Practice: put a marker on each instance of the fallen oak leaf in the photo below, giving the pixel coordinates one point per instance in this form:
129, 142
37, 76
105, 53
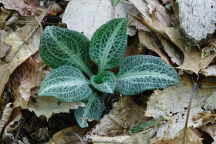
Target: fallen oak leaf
146, 40
19, 5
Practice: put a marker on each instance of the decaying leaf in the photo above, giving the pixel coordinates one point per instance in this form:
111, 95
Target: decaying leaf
28, 45
149, 7
124, 115
172, 104
6, 116
193, 60
174, 53
48, 105
146, 40
91, 13
4, 48
21, 6
190, 138
209, 71
197, 18
71, 135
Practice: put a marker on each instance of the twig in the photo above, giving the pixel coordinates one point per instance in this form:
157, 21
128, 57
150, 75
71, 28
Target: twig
194, 90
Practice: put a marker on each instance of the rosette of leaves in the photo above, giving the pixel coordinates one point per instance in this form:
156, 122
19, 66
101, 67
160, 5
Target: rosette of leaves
71, 80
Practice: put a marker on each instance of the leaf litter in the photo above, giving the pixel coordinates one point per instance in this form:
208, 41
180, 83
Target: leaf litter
154, 24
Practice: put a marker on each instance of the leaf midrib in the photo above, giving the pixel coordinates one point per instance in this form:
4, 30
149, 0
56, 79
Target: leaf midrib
108, 47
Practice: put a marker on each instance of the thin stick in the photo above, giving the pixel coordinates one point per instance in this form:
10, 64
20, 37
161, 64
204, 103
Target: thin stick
194, 90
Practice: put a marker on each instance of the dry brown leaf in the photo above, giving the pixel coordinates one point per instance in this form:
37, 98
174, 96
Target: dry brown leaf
172, 104
4, 14
24, 80
191, 138
193, 60
27, 38
21, 6
4, 48
124, 115
71, 135
149, 7
211, 130
174, 54
6, 116
204, 118
146, 40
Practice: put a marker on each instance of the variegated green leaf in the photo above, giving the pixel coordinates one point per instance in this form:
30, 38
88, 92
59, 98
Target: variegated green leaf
60, 46
141, 72
67, 84
104, 82
92, 111
108, 44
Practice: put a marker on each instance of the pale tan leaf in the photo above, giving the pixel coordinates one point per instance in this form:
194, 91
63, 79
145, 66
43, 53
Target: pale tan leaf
197, 17
88, 15
172, 104
6, 116
124, 115
146, 40
191, 138
174, 54
20, 6
20, 52
209, 71
49, 105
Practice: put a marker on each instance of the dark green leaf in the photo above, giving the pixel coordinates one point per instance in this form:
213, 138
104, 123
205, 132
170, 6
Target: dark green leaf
108, 44
59, 46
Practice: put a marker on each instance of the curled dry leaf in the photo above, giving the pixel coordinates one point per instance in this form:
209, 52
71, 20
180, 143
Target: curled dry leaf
172, 104
193, 60
146, 40
174, 53
149, 7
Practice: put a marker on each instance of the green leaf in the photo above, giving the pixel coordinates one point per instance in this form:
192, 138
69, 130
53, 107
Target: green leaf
115, 2
60, 46
108, 44
146, 125
67, 84
104, 82
93, 111
141, 72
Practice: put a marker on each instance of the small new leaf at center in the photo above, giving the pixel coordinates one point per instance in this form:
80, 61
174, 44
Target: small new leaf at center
104, 82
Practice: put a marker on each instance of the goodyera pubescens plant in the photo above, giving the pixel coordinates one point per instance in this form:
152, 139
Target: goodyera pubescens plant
71, 80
